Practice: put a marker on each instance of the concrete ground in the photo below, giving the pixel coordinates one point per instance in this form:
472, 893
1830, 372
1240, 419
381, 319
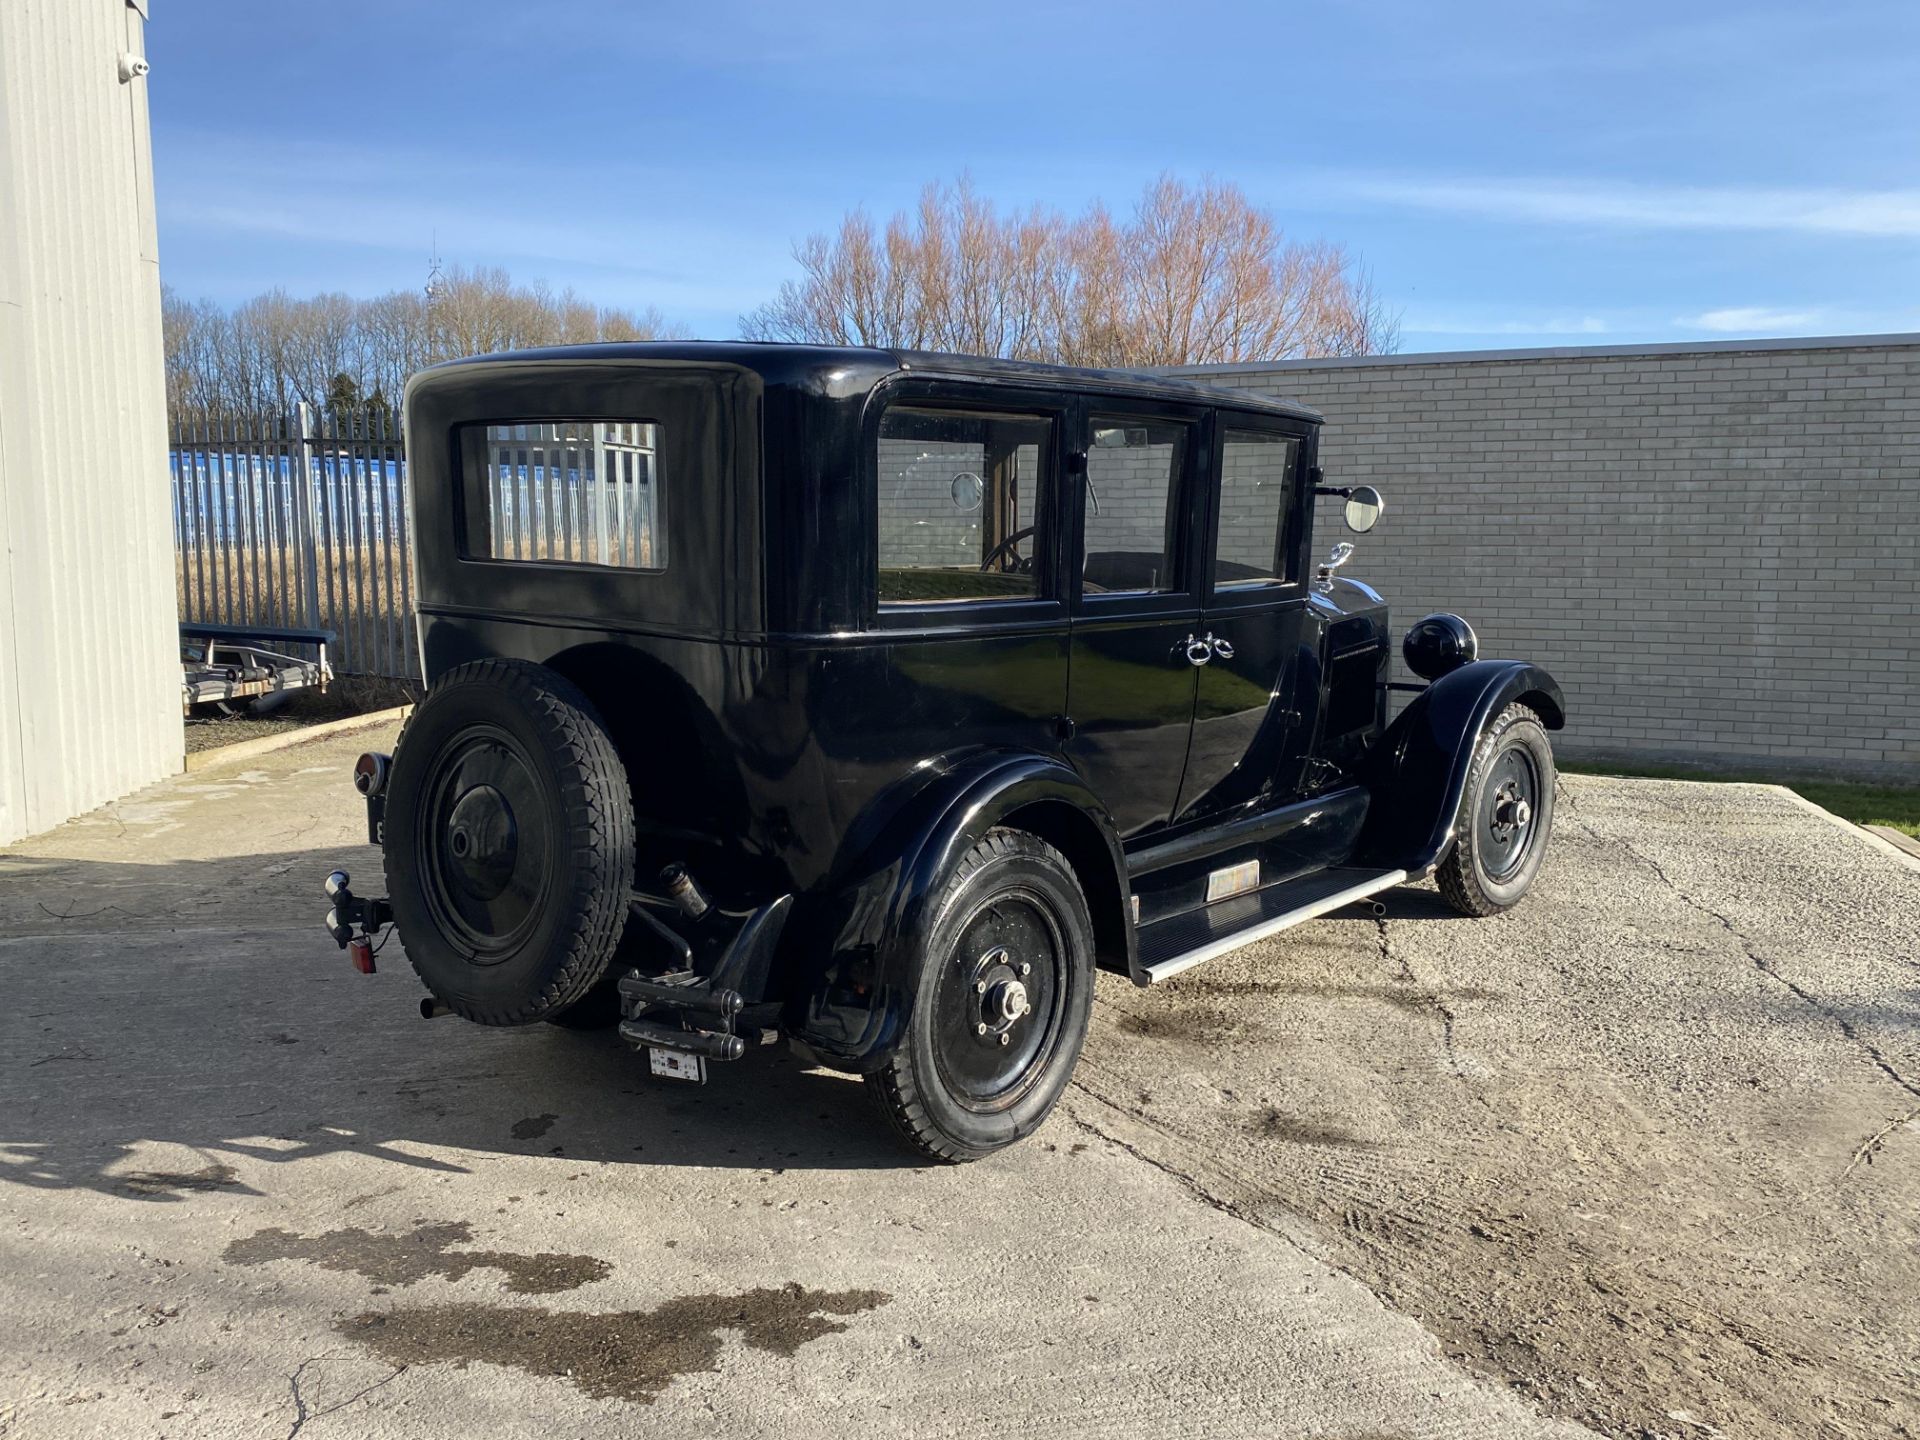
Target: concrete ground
1641, 1156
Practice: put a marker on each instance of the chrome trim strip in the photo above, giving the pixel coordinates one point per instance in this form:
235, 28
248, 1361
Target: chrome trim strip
1313, 910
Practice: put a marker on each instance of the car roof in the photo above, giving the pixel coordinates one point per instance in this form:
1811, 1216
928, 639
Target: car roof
843, 368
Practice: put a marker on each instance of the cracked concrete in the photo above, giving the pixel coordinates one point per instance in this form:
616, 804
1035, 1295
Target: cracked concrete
1641, 1156
1661, 1172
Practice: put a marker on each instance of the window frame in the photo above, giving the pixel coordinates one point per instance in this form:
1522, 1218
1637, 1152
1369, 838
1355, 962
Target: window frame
1047, 605
1186, 504
1291, 533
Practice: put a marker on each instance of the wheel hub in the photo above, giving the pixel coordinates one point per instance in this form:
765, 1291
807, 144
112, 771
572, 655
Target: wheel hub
1003, 998
1510, 811
999, 1001
1507, 813
1011, 998
482, 841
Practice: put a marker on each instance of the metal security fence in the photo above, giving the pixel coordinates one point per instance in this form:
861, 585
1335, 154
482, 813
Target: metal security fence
579, 491
298, 520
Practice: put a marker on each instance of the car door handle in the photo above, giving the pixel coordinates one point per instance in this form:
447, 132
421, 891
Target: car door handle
1197, 651
1221, 648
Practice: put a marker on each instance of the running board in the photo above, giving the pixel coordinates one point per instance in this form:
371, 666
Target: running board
1184, 941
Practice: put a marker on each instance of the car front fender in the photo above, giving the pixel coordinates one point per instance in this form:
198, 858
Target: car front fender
1418, 773
858, 957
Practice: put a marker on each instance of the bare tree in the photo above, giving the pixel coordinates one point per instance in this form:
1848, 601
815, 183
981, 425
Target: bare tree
275, 351
1199, 274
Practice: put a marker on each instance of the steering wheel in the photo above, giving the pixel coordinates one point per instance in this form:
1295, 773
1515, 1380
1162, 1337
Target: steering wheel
1022, 563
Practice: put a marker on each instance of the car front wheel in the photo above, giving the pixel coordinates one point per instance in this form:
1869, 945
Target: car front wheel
1002, 1005
1505, 815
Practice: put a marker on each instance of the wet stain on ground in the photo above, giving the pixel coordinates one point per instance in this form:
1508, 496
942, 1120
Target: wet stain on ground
172, 1184
1270, 1124
627, 1354
1412, 998
402, 1257
533, 1127
1182, 1022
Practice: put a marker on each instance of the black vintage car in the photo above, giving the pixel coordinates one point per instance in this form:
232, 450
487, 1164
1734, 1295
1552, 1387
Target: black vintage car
873, 700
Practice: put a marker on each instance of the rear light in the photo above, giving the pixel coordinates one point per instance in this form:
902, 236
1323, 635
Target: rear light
339, 929
370, 773
360, 951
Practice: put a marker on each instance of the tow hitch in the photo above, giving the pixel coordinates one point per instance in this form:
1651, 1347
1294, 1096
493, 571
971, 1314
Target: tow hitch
349, 910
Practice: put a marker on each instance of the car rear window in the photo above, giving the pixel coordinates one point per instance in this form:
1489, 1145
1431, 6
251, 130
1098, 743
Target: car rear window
568, 492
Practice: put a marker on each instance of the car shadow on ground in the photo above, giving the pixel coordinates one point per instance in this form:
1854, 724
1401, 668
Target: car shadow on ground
170, 1028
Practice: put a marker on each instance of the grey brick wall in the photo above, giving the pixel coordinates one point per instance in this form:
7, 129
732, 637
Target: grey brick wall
922, 520
1716, 549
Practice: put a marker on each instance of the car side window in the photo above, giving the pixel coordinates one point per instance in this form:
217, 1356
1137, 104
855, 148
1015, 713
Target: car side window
1135, 468
959, 505
1258, 472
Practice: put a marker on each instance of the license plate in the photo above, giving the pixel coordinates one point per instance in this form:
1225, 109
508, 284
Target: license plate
678, 1065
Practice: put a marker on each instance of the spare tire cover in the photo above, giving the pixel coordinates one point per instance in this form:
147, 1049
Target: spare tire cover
508, 842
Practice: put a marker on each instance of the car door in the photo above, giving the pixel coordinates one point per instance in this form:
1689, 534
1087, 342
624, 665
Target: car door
969, 620
1258, 674
1134, 556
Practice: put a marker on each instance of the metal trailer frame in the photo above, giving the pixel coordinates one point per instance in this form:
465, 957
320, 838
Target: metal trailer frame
224, 664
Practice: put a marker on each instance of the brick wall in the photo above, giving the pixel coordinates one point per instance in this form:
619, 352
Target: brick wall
1716, 549
929, 514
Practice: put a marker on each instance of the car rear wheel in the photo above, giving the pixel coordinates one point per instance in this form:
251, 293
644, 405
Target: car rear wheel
1505, 816
509, 842
1002, 1006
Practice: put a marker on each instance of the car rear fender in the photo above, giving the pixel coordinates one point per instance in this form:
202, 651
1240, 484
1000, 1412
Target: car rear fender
858, 953
1418, 773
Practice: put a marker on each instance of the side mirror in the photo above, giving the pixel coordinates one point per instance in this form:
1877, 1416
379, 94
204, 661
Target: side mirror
1365, 506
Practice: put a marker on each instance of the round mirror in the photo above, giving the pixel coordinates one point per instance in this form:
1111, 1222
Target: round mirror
1364, 509
966, 490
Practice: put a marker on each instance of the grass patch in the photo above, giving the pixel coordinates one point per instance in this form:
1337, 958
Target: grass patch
1895, 806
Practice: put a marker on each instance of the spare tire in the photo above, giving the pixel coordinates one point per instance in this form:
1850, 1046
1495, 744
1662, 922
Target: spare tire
508, 843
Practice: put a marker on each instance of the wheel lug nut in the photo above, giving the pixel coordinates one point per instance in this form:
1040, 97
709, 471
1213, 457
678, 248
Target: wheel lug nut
979, 987
981, 1028
1006, 1039
1025, 966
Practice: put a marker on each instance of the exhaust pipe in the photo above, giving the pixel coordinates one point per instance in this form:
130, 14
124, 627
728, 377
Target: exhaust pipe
432, 1009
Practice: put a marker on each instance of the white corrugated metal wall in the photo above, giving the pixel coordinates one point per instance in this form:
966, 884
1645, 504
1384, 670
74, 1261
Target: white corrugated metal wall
89, 669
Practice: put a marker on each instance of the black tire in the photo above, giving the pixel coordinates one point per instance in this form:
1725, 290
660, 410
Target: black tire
1506, 816
509, 842
598, 1009
954, 1090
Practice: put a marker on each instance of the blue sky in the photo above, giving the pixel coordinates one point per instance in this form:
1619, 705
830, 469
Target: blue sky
1512, 174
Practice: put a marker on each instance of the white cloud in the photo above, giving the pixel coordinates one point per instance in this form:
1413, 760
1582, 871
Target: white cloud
1882, 213
1747, 319
1468, 325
